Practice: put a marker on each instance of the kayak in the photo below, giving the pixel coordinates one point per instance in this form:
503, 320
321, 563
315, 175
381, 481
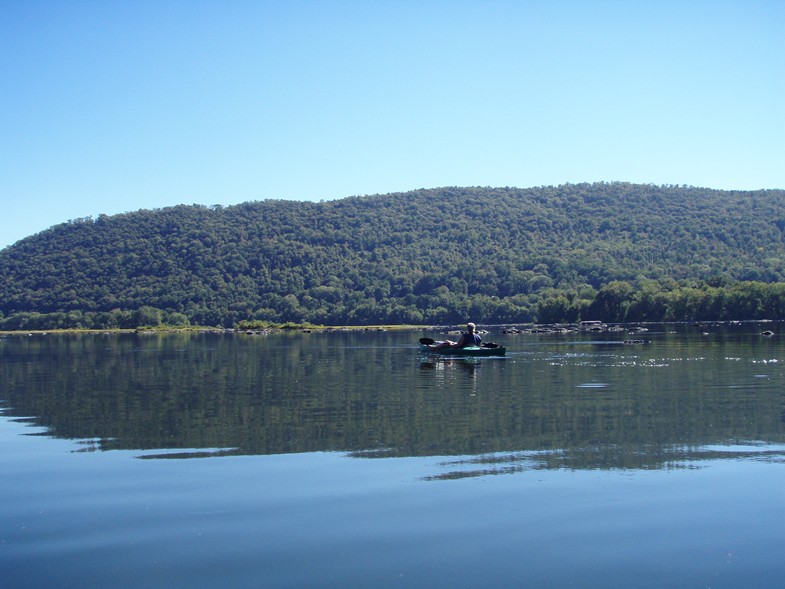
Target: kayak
470, 351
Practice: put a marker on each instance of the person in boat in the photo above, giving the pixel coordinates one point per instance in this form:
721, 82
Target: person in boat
469, 338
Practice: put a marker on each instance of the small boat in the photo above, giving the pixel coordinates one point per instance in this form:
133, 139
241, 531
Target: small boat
488, 349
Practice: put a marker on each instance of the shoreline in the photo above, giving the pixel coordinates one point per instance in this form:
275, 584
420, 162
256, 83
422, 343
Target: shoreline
510, 328
226, 330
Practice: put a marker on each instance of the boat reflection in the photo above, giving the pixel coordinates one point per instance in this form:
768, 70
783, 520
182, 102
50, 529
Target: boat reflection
469, 365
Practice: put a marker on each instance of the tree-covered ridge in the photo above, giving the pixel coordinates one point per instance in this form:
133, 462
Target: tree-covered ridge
429, 256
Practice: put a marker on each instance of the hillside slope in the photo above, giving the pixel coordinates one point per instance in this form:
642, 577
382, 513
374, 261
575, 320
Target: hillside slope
435, 256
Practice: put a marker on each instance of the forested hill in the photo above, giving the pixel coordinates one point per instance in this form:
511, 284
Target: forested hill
611, 251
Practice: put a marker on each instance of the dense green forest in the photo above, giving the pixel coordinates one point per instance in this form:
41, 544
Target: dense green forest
607, 251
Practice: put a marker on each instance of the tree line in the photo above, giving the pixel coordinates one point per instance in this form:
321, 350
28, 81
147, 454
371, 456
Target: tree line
616, 302
605, 251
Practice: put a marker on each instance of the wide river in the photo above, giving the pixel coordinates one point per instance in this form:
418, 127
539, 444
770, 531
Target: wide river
349, 460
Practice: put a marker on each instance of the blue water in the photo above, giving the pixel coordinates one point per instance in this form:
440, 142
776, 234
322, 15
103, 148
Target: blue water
659, 482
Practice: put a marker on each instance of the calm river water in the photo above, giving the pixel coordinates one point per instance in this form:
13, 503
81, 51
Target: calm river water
348, 460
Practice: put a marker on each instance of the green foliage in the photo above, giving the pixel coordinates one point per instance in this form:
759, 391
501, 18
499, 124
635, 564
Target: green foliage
609, 251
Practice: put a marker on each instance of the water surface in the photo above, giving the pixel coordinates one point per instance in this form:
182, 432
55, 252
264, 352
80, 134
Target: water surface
346, 459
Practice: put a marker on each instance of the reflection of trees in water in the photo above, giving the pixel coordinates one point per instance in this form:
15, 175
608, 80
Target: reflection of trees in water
610, 457
372, 396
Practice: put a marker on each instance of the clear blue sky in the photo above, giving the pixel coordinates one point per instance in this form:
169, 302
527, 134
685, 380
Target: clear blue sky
112, 106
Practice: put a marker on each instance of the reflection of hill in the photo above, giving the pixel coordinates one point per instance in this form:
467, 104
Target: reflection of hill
368, 394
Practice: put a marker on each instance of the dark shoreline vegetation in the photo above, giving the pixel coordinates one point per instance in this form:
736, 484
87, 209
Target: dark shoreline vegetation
617, 302
612, 252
